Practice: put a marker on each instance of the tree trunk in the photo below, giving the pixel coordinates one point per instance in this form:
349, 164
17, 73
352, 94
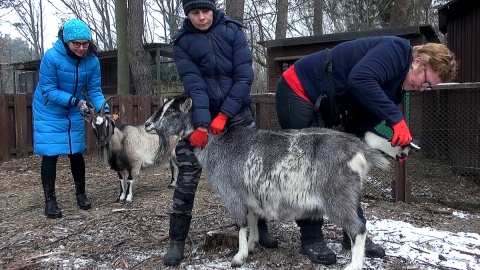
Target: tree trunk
123, 70
317, 17
139, 58
235, 9
282, 15
398, 13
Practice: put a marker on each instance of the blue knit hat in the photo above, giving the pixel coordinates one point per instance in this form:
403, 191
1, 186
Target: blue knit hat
75, 30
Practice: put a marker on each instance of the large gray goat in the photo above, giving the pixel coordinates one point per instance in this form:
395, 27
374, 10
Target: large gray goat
285, 175
127, 149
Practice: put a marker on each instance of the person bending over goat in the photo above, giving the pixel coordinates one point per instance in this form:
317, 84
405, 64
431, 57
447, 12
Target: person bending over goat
353, 87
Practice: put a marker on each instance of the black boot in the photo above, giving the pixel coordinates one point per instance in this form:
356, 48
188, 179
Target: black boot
179, 226
82, 201
372, 250
51, 207
313, 244
265, 239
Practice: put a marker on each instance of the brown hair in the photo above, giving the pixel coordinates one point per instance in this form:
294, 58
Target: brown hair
439, 58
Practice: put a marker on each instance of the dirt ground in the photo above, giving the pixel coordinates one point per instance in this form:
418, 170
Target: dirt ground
135, 235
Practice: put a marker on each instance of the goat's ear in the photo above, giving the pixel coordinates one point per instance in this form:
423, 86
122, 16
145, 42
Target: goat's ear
186, 105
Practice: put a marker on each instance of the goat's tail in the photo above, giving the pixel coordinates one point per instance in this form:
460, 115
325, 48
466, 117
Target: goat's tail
377, 159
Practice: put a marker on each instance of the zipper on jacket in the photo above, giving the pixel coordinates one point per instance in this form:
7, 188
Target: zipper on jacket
215, 68
74, 95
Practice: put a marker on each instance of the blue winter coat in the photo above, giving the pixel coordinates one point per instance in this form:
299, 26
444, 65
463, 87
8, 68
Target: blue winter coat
215, 67
58, 126
367, 74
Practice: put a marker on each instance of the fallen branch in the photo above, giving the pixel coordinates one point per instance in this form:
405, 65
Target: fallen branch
23, 266
165, 237
474, 252
125, 209
45, 255
447, 211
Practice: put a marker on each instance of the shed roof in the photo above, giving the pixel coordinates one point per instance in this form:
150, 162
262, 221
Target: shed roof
426, 30
105, 56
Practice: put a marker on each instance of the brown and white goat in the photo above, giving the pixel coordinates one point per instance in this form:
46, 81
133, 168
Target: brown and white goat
127, 149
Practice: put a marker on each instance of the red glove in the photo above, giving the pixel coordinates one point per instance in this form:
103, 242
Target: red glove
218, 123
199, 137
401, 134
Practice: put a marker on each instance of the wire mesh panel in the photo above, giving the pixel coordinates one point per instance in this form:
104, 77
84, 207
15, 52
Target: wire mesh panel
447, 168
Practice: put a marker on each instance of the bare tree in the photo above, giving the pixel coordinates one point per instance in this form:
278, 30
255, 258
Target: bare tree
99, 17
235, 9
171, 17
31, 25
139, 59
317, 17
123, 66
282, 15
398, 13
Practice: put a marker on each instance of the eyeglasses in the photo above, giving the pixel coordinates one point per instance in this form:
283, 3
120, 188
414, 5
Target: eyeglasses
426, 84
77, 44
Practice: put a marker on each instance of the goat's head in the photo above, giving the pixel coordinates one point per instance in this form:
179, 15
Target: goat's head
173, 118
383, 144
103, 124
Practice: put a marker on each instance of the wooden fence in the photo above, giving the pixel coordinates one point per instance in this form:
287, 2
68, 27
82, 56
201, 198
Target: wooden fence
16, 127
16, 132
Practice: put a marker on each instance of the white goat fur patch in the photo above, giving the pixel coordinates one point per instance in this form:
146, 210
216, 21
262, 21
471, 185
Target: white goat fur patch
99, 120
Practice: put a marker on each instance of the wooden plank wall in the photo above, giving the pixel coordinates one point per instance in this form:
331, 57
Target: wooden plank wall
16, 124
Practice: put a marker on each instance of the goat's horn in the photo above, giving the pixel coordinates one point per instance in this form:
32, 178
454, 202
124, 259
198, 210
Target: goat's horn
102, 110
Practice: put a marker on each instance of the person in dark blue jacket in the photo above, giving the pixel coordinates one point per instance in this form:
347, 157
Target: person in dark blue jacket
353, 87
214, 62
58, 102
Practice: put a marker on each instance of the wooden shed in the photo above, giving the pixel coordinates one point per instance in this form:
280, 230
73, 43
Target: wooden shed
108, 66
459, 20
282, 53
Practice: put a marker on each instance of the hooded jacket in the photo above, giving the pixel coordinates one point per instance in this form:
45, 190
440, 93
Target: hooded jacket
58, 126
215, 67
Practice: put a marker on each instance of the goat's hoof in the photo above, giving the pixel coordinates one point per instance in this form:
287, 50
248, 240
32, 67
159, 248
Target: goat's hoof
238, 260
350, 266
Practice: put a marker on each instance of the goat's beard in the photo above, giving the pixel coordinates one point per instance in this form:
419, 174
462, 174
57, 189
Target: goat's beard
104, 154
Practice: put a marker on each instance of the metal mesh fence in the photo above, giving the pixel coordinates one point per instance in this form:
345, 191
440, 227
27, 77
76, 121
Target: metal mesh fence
447, 168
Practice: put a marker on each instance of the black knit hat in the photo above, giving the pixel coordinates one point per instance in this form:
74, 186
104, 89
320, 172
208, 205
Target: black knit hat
198, 4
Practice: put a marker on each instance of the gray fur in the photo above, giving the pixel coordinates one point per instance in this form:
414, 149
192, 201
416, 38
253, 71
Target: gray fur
283, 175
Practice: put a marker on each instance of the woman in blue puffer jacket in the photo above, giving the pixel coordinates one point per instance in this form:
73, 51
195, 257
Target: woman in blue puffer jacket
214, 62
58, 103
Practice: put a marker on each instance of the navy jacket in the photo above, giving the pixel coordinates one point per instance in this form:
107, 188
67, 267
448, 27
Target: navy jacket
368, 74
215, 67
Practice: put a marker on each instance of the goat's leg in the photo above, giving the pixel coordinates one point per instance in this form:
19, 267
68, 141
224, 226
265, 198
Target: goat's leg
357, 232
358, 252
174, 170
242, 253
132, 175
123, 186
253, 237
130, 190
